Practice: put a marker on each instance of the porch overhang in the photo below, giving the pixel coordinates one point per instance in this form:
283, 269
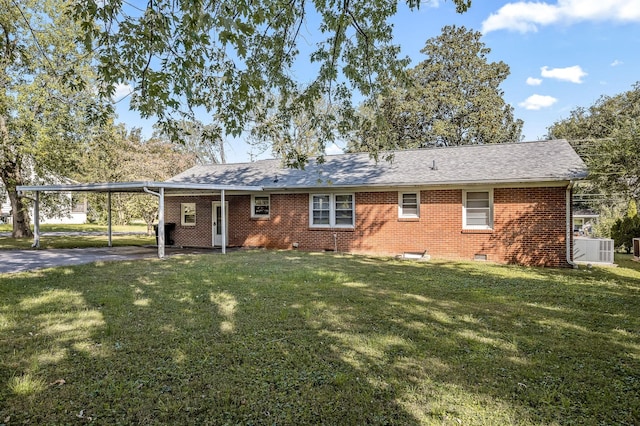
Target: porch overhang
158, 189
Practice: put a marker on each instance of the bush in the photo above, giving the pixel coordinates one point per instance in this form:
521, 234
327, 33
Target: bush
624, 231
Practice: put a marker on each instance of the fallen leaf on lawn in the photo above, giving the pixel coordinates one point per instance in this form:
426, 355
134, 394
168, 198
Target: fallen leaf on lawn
58, 382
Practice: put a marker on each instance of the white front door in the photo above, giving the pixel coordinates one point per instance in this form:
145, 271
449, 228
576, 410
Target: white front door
216, 221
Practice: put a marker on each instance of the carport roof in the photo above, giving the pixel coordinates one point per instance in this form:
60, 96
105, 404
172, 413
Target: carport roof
137, 187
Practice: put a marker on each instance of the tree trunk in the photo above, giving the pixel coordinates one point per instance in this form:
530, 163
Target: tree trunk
19, 210
11, 177
21, 228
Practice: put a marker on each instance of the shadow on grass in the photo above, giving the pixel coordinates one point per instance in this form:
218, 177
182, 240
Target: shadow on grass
300, 338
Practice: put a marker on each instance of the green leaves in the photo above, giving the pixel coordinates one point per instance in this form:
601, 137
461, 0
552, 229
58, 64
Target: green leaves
228, 58
607, 137
46, 96
450, 98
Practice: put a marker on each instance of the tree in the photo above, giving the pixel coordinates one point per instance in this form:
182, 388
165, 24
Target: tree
451, 98
45, 95
626, 229
225, 57
607, 137
119, 155
202, 141
296, 135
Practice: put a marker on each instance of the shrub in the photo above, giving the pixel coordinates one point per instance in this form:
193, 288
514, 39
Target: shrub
625, 230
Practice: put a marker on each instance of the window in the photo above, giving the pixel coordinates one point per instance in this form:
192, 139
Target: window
331, 210
188, 214
408, 204
260, 205
477, 209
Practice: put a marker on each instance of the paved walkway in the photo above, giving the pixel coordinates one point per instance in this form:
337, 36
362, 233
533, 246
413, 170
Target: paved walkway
28, 260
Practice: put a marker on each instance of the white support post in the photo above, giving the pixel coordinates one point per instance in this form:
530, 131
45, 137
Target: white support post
161, 236
224, 222
160, 196
36, 221
110, 242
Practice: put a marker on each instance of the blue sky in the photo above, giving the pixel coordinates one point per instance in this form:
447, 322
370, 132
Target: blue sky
562, 54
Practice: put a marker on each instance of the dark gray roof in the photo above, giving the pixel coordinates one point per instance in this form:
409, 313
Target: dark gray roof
541, 161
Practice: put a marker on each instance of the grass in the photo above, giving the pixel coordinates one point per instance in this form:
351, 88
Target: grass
78, 241
87, 227
263, 337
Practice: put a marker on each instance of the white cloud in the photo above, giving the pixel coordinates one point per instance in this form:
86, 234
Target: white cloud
333, 149
536, 102
122, 90
616, 63
431, 3
527, 16
534, 81
573, 74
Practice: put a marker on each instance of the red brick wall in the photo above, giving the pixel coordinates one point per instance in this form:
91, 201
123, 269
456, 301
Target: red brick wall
529, 226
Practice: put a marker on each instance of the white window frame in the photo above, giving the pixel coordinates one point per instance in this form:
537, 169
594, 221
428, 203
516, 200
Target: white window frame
464, 209
332, 210
183, 214
401, 205
253, 206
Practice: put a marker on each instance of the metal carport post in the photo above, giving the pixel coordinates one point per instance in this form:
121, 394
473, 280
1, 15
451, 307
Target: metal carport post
161, 236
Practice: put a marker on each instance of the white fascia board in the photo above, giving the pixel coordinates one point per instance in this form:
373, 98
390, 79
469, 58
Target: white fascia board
134, 187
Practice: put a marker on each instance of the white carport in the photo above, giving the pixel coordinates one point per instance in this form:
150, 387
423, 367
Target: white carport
158, 189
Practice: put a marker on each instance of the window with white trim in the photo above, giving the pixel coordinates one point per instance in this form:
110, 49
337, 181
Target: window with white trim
408, 204
331, 210
260, 205
477, 209
188, 214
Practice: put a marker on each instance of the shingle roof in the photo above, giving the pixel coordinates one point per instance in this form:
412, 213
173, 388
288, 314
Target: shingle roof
540, 161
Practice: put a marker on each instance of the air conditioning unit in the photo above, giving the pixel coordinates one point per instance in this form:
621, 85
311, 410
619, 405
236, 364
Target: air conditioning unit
593, 250
636, 249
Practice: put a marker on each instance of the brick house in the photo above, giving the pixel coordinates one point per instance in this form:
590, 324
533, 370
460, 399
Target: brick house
506, 203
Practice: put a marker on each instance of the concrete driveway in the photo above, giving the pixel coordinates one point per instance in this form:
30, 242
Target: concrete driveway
28, 260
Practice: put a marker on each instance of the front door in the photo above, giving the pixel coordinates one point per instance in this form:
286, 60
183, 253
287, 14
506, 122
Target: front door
216, 230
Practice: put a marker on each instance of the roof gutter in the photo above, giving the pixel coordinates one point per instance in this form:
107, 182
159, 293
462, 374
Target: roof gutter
569, 229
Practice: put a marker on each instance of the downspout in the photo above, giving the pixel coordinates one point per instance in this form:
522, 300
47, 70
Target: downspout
223, 228
160, 196
569, 229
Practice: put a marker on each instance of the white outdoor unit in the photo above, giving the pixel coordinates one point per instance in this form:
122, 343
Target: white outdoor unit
593, 250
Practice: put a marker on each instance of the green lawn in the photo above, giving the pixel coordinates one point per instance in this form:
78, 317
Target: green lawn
87, 227
75, 241
264, 337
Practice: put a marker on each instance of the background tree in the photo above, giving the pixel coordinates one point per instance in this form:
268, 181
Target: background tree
607, 137
45, 96
119, 155
296, 135
223, 58
202, 141
451, 98
624, 230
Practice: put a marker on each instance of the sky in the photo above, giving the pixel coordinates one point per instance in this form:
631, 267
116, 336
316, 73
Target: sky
562, 54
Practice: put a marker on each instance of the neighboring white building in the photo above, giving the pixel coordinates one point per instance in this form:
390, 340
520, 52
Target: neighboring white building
77, 215
583, 220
